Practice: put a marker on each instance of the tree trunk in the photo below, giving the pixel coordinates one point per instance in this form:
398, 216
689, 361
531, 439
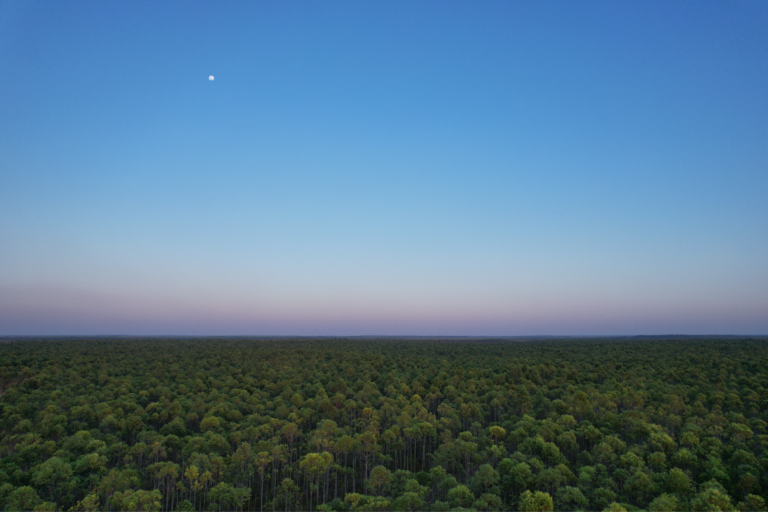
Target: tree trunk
261, 494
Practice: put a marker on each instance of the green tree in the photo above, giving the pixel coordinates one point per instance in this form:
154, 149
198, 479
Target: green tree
571, 498
380, 477
664, 503
288, 493
752, 502
461, 496
23, 498
712, 498
90, 503
53, 474
678, 482
484, 479
137, 501
536, 502
488, 502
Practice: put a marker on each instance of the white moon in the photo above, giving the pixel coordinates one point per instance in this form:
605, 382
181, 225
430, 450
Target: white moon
210, 77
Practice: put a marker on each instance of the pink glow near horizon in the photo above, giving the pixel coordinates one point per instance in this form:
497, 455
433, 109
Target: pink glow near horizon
65, 311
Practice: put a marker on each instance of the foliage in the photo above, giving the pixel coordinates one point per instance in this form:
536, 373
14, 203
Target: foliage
244, 424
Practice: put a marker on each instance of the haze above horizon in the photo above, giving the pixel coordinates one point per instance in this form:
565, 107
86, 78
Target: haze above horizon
422, 168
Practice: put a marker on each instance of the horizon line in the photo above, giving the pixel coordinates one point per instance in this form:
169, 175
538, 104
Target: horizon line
377, 336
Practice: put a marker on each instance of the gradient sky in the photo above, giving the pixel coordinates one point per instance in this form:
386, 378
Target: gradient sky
419, 167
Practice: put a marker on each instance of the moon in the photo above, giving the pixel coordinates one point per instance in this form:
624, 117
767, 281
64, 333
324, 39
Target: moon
210, 78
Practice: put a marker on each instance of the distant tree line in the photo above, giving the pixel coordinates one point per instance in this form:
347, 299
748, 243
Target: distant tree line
278, 425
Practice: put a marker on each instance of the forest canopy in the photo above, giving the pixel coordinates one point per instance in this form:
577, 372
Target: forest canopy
346, 425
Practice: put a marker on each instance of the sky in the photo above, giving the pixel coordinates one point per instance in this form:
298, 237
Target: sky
394, 168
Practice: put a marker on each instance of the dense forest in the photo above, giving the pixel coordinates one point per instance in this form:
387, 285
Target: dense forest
346, 425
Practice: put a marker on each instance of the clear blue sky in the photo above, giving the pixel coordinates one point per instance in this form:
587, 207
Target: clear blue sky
419, 167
